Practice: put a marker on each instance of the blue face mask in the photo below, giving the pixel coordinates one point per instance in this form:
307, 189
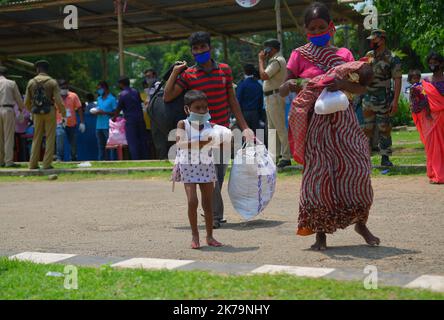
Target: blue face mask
198, 117
320, 40
203, 57
100, 91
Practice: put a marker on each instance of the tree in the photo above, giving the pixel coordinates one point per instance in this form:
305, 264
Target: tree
416, 27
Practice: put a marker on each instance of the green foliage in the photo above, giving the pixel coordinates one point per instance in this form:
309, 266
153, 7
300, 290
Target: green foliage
403, 116
416, 27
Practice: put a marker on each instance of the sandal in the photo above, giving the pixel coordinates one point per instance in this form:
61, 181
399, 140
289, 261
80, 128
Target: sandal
214, 243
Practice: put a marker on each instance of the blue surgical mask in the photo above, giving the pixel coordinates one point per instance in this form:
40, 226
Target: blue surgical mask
203, 57
320, 40
198, 117
100, 91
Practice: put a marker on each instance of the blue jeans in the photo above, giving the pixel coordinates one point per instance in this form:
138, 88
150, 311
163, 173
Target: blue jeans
102, 138
70, 133
137, 140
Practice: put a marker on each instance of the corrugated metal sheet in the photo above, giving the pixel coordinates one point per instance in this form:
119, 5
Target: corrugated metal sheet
36, 26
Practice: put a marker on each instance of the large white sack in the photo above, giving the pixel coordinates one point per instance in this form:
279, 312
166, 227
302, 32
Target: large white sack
252, 180
331, 102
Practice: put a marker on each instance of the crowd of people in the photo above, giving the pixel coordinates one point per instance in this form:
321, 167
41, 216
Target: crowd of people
335, 148
51, 114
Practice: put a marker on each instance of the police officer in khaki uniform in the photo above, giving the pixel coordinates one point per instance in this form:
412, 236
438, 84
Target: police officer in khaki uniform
380, 102
273, 76
9, 96
44, 118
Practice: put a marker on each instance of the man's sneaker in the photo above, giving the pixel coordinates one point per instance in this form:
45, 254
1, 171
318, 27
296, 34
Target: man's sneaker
283, 163
48, 168
385, 162
216, 224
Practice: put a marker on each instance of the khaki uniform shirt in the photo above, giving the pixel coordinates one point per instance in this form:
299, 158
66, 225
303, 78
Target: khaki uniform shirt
9, 93
52, 91
276, 71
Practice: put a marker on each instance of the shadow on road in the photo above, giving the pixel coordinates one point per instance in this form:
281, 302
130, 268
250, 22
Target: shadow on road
346, 253
228, 249
241, 226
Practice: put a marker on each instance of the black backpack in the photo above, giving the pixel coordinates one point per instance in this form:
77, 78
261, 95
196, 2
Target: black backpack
40, 102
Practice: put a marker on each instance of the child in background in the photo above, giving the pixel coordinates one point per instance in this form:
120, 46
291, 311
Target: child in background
418, 100
194, 163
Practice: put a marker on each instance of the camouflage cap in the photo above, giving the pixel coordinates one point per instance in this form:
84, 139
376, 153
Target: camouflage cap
376, 33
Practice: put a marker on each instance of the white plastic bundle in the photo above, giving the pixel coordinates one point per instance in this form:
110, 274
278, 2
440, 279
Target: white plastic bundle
220, 134
93, 110
252, 180
331, 102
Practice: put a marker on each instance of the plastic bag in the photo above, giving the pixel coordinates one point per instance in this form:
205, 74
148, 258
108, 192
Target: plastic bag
219, 134
331, 102
117, 133
252, 180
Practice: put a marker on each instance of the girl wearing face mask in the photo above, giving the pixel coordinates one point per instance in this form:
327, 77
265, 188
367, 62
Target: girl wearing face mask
336, 189
427, 102
194, 163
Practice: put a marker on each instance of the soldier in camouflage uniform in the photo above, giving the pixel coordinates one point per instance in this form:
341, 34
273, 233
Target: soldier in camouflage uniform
380, 102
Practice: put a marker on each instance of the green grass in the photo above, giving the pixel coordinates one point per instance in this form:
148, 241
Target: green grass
25, 280
407, 150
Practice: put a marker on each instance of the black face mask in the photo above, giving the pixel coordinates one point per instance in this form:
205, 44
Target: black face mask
375, 46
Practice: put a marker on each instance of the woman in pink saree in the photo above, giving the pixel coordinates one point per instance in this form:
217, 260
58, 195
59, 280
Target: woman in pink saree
336, 190
427, 104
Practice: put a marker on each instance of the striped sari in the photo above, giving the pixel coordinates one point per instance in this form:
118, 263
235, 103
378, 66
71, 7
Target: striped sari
336, 188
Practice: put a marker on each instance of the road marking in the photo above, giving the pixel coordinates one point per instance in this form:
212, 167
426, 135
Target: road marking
298, 271
434, 283
41, 257
148, 263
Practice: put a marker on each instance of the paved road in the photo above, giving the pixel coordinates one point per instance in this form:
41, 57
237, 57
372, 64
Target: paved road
144, 218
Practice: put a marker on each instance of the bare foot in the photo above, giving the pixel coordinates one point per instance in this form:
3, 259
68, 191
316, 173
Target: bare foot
213, 242
363, 231
195, 244
321, 242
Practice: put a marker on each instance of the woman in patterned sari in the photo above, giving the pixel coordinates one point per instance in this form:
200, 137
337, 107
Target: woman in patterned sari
336, 189
427, 104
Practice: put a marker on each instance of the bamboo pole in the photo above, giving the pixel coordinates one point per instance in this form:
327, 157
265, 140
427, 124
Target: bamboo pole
120, 27
277, 8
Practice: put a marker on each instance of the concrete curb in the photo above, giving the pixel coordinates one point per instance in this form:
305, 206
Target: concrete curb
37, 172
426, 282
